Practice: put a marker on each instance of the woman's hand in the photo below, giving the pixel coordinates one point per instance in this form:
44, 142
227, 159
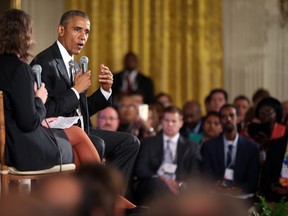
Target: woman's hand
41, 92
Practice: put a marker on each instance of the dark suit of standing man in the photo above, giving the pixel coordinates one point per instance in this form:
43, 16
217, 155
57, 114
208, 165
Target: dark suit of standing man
138, 82
151, 181
243, 169
66, 93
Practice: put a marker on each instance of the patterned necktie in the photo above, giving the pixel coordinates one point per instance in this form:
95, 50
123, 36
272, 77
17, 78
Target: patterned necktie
229, 156
168, 156
71, 72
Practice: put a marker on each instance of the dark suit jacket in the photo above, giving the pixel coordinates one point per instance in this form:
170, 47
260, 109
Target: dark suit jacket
145, 86
246, 168
62, 101
29, 146
272, 167
151, 155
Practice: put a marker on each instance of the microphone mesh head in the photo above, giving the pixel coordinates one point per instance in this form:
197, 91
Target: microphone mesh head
36, 68
84, 59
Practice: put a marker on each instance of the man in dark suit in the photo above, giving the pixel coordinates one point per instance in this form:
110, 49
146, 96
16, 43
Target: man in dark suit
165, 160
66, 91
131, 80
231, 159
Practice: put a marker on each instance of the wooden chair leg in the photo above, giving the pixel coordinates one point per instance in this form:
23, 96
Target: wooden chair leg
4, 185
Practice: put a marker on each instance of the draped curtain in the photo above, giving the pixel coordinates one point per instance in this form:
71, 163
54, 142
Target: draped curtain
179, 43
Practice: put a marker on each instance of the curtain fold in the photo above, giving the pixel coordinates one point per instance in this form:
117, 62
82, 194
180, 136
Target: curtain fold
179, 43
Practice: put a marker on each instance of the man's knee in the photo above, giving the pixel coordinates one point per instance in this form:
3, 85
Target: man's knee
99, 145
133, 141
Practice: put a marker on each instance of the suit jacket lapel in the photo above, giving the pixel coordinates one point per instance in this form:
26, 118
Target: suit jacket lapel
240, 149
60, 64
180, 149
220, 153
160, 148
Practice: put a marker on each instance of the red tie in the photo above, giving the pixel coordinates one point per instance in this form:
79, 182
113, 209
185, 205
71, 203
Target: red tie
129, 87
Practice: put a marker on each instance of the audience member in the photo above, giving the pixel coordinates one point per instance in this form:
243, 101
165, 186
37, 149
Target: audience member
217, 98
242, 104
165, 160
211, 128
67, 96
269, 113
130, 79
130, 121
30, 143
137, 98
231, 159
197, 200
192, 118
108, 119
102, 186
62, 194
164, 99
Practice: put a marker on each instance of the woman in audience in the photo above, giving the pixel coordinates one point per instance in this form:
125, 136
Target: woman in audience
30, 143
274, 178
211, 128
269, 112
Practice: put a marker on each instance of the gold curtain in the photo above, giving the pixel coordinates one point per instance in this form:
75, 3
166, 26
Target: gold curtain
179, 43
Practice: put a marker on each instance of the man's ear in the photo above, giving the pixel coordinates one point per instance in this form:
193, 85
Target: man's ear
60, 30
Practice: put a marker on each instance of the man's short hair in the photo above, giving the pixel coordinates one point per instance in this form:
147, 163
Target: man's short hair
70, 14
173, 109
226, 106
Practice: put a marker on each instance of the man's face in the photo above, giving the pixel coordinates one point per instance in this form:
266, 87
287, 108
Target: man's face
192, 115
128, 111
107, 119
217, 101
171, 123
242, 107
228, 117
131, 62
74, 35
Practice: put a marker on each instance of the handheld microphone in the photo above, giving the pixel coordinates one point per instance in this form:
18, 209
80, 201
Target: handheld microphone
84, 63
37, 69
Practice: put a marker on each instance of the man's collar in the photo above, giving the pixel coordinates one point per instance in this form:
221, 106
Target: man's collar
64, 53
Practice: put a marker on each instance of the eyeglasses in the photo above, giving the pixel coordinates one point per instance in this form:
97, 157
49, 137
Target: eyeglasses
266, 111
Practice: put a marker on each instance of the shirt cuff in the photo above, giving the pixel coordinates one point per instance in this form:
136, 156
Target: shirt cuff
77, 94
105, 93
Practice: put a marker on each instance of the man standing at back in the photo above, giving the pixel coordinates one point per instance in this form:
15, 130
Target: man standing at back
131, 80
66, 90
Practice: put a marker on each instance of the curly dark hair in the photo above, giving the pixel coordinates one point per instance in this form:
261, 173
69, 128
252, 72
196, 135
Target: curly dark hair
272, 102
16, 33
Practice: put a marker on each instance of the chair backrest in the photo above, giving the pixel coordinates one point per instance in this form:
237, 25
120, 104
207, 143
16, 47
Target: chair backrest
2, 130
